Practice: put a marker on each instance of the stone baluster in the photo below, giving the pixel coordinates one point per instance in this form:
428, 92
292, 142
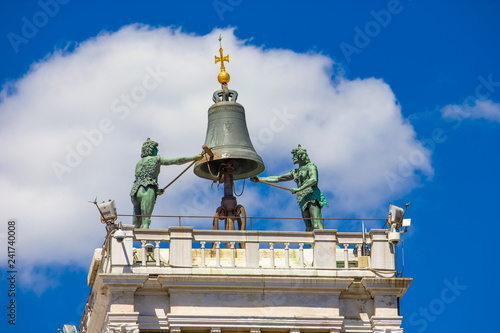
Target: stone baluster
346, 255
144, 255
287, 255
203, 261
157, 253
301, 255
233, 260
271, 254
217, 254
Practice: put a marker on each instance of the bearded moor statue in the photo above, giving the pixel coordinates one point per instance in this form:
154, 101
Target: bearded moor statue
309, 196
145, 188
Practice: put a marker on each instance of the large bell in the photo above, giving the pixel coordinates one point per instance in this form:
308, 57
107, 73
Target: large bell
227, 135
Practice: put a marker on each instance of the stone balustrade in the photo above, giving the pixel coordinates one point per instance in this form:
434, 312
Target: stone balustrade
341, 253
181, 279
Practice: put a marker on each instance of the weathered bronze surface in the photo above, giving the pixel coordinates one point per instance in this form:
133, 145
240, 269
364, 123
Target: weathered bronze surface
227, 135
145, 188
309, 196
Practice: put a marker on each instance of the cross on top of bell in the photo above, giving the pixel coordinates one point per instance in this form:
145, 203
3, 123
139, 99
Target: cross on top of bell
223, 76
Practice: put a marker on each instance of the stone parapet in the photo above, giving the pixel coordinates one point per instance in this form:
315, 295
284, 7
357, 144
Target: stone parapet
181, 280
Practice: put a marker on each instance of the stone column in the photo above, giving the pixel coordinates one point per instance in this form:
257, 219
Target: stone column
325, 241
181, 244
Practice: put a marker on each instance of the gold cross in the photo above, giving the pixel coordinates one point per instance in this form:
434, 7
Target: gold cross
221, 58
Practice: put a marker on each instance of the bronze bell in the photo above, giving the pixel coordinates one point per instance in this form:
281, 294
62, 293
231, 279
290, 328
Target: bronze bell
227, 135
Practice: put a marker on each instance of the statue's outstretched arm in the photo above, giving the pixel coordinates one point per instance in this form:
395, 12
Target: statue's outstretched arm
274, 179
179, 160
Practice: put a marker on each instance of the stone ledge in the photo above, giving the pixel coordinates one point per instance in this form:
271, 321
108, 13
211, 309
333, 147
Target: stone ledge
203, 283
255, 272
125, 281
242, 322
153, 323
386, 286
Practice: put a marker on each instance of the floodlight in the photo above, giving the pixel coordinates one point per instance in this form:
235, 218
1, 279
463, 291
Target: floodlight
395, 213
69, 329
108, 210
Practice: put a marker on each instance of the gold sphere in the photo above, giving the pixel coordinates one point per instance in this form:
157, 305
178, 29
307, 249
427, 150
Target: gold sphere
223, 77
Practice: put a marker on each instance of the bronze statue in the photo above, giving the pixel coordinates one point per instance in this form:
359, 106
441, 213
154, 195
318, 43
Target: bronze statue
145, 188
309, 196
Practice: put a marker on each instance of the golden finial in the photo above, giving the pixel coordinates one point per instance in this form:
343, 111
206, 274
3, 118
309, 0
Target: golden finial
223, 75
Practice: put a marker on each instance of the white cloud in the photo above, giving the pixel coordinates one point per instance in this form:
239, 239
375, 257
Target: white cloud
73, 111
480, 109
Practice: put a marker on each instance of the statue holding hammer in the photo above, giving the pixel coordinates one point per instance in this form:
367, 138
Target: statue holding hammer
145, 188
309, 196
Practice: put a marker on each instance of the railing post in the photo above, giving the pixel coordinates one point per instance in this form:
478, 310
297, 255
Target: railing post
381, 255
325, 241
181, 245
121, 254
252, 249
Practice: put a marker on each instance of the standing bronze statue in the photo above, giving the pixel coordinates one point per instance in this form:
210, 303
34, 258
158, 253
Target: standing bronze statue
145, 188
309, 196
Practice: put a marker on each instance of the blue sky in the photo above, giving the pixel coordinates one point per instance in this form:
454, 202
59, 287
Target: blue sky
395, 101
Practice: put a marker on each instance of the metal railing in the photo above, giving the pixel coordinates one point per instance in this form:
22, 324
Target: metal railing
179, 219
